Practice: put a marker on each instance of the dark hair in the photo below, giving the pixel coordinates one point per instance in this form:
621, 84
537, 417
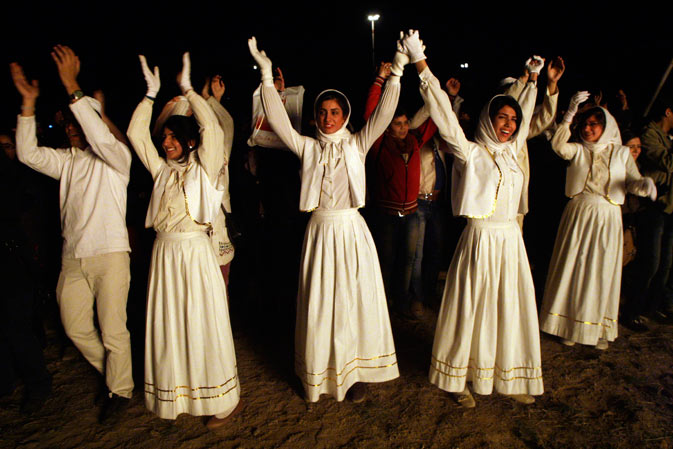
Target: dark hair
505, 100
400, 111
628, 134
658, 109
185, 130
333, 95
592, 112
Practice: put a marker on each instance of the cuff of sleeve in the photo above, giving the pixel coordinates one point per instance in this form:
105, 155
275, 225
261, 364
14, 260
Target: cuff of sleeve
426, 74
26, 119
393, 79
268, 82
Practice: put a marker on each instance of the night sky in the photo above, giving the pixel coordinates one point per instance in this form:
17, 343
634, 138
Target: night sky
329, 46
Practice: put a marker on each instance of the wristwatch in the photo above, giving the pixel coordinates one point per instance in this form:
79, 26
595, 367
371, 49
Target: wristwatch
76, 95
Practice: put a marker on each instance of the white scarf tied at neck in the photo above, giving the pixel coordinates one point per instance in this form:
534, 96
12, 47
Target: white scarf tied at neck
332, 144
611, 135
485, 136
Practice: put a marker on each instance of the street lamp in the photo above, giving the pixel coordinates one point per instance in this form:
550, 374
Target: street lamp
373, 18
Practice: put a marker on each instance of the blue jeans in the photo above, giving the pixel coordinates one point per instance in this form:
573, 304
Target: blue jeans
650, 280
396, 239
429, 249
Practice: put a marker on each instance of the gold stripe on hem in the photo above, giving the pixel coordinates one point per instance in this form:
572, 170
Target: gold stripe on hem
334, 379
300, 362
496, 367
188, 396
477, 377
584, 322
187, 387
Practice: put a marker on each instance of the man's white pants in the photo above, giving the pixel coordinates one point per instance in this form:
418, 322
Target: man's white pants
103, 280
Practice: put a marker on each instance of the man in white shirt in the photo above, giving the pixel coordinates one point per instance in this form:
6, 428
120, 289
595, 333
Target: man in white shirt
93, 175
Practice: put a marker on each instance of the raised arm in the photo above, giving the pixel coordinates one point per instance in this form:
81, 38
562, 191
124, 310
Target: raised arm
438, 103
139, 127
381, 117
99, 136
211, 150
223, 117
527, 99
99, 96
543, 118
273, 105
559, 142
45, 160
374, 94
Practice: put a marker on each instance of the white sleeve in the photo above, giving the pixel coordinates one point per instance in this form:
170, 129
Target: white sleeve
141, 140
560, 145
279, 120
442, 114
226, 123
103, 143
48, 161
382, 115
211, 149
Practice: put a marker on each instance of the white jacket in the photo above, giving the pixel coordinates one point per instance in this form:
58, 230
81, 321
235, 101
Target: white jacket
476, 169
623, 173
314, 152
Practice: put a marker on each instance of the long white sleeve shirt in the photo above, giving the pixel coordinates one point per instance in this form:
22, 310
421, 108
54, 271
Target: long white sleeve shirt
93, 183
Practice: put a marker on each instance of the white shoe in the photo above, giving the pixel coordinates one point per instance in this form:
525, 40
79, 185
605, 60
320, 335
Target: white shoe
522, 398
602, 344
567, 342
465, 398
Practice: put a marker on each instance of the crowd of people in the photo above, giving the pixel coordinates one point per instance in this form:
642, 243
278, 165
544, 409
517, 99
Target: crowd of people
407, 173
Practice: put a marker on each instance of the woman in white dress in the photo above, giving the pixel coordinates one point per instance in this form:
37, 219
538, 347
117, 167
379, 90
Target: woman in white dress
190, 365
487, 329
343, 336
581, 297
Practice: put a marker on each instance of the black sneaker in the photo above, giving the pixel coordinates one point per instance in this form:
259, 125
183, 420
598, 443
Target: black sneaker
113, 408
636, 324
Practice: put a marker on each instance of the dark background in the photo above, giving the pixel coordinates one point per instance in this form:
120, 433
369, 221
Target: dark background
329, 45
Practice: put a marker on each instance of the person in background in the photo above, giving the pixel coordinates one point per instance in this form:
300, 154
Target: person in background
581, 297
394, 170
651, 283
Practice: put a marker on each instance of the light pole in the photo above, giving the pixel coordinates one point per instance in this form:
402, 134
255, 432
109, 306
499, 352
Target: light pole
373, 18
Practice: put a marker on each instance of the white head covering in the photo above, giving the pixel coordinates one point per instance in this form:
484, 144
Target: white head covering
341, 133
485, 134
610, 134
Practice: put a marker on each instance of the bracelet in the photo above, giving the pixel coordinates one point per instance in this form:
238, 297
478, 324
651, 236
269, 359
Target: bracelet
151, 98
27, 108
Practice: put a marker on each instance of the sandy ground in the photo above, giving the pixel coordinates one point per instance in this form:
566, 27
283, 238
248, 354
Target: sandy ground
622, 398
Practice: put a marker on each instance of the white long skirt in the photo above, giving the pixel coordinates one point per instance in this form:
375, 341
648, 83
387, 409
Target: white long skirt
487, 329
343, 333
581, 295
190, 365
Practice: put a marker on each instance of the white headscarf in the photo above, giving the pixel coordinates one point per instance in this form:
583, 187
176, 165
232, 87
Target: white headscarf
611, 134
341, 133
485, 134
